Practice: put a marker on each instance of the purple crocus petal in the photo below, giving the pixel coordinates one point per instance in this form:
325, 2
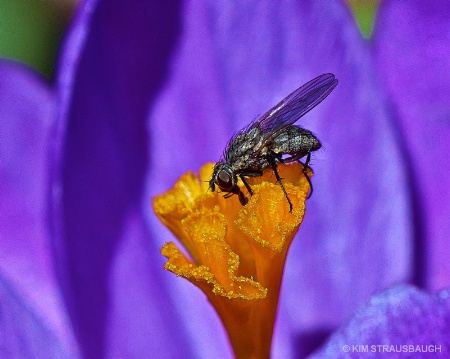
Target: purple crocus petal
113, 65
403, 319
25, 333
29, 289
412, 56
235, 60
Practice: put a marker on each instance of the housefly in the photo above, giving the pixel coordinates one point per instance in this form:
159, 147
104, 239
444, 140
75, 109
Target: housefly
272, 139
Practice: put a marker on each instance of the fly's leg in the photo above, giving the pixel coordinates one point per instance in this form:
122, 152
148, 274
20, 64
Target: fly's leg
304, 169
237, 190
242, 198
242, 176
271, 159
305, 172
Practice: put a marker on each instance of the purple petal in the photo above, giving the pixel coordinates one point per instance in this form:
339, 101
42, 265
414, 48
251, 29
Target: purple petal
398, 318
23, 332
114, 63
412, 56
26, 108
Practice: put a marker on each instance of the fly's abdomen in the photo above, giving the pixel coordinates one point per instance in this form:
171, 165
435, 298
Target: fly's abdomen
295, 141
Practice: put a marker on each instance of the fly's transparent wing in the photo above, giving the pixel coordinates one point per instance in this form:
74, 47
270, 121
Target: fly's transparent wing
284, 114
294, 106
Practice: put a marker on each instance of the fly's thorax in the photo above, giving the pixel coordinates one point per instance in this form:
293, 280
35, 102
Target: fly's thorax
243, 145
224, 177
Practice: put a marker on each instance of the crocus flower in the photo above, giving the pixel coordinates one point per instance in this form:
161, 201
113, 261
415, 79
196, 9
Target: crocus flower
238, 253
148, 90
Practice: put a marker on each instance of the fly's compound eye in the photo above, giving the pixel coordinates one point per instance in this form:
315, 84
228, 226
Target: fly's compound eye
225, 180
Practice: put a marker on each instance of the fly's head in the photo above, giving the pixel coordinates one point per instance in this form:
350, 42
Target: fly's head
224, 177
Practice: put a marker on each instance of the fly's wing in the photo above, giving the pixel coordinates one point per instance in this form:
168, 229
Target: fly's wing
294, 106
284, 114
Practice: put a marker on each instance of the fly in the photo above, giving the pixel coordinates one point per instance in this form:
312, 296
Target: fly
271, 139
